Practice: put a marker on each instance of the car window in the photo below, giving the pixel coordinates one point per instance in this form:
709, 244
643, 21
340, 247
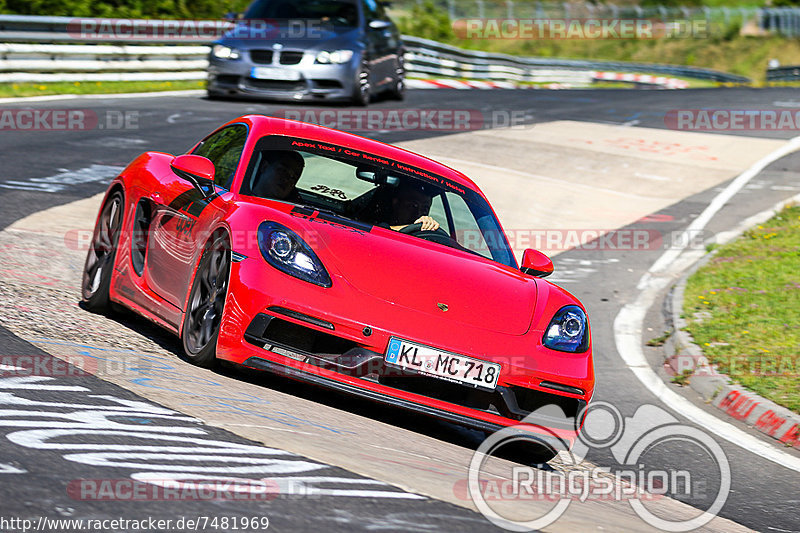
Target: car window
439, 213
337, 12
469, 233
224, 149
371, 10
372, 191
321, 176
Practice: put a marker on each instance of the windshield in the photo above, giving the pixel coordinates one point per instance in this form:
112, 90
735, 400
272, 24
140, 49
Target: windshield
339, 13
374, 191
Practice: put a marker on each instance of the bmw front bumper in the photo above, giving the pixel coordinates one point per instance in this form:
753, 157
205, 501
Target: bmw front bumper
304, 81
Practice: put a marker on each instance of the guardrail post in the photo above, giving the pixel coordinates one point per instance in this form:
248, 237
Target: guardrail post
663, 11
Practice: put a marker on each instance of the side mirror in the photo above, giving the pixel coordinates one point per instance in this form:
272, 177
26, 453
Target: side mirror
196, 169
536, 263
379, 24
376, 176
369, 174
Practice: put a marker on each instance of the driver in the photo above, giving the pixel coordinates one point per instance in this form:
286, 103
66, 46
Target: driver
278, 174
410, 205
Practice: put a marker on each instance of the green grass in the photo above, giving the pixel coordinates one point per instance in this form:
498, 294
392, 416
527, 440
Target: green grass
724, 49
660, 340
751, 288
743, 55
99, 87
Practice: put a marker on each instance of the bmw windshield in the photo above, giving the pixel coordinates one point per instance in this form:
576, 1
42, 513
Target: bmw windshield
338, 13
375, 191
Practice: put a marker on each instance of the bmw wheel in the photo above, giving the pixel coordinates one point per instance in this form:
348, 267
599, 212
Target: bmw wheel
361, 92
398, 91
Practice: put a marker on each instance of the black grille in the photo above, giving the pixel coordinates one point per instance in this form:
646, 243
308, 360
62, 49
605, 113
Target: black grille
261, 56
227, 79
276, 85
327, 84
276, 330
441, 390
532, 399
290, 58
345, 356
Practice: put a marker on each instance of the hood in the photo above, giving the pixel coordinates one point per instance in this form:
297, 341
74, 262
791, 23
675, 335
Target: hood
264, 34
418, 275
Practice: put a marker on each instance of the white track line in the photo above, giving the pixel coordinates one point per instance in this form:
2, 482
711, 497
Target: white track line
629, 321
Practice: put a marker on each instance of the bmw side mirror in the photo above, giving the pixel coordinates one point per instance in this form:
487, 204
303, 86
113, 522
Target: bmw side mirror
379, 24
535, 263
197, 170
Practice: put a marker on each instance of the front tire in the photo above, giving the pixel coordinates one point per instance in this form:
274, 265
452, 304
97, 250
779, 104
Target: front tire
398, 91
203, 315
100, 259
361, 92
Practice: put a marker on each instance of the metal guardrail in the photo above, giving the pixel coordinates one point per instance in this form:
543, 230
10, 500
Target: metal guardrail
431, 56
50, 49
788, 73
773, 20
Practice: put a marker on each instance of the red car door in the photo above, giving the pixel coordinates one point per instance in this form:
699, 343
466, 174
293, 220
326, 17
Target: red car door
183, 217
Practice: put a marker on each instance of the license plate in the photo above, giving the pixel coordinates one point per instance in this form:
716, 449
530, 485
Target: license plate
437, 363
274, 73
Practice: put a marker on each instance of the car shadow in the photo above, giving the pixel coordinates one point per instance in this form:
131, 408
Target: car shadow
454, 434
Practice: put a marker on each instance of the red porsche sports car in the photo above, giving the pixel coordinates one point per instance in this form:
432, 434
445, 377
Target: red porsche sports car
342, 278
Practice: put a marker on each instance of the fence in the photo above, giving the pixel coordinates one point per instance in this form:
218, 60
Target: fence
788, 73
50, 49
782, 21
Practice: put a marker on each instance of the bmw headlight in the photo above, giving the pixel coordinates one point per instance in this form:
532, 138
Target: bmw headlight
337, 56
225, 52
568, 330
286, 251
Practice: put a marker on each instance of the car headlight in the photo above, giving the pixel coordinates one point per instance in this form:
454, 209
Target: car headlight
225, 52
286, 251
568, 330
336, 56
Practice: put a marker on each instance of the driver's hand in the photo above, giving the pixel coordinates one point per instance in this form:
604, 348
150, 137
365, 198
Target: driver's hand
428, 223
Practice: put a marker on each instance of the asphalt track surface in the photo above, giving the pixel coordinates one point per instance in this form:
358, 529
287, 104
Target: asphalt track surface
763, 495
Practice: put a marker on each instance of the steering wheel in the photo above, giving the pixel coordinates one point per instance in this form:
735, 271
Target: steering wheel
439, 235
